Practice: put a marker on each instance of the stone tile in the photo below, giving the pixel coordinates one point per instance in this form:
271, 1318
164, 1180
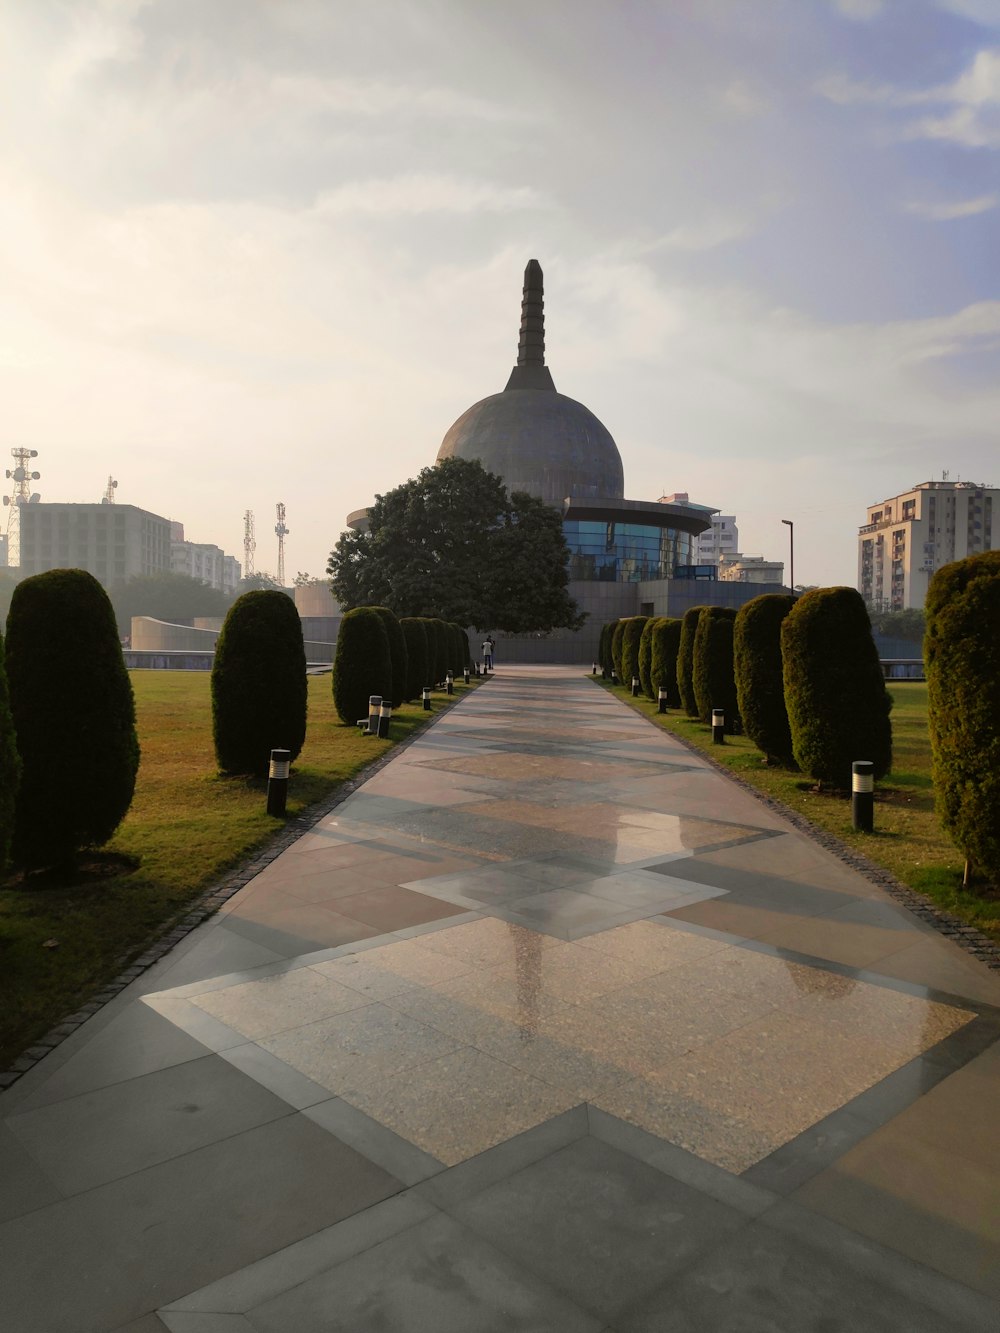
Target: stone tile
459, 1104
437, 1275
112, 1132
938, 963
215, 951
293, 931
390, 908
652, 944
392, 968
272, 1004
160, 1233
486, 943
598, 1225
842, 941
24, 1186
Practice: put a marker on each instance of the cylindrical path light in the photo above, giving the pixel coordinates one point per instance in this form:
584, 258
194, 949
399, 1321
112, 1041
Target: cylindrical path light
863, 795
718, 726
661, 699
277, 782
374, 703
635, 687
427, 698
384, 718
449, 683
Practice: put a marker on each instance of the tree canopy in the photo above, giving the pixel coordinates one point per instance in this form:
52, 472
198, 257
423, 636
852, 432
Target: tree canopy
452, 543
166, 596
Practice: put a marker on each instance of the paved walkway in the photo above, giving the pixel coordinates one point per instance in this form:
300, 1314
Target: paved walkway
548, 1027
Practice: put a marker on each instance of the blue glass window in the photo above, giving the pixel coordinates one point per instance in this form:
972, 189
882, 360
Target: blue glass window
624, 552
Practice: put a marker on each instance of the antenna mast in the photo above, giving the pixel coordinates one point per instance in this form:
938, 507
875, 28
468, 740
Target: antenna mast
20, 494
281, 532
249, 543
109, 492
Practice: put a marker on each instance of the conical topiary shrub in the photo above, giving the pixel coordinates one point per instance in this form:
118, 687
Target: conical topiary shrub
631, 638
646, 657
712, 666
415, 634
361, 665
685, 660
838, 706
666, 640
617, 642
10, 766
397, 654
259, 686
760, 689
74, 717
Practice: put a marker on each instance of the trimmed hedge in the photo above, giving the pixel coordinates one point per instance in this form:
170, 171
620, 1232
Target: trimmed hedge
456, 648
685, 660
665, 641
397, 654
437, 641
760, 691
630, 648
74, 717
10, 766
466, 650
646, 657
362, 665
838, 706
604, 649
712, 675
417, 671
962, 657
617, 638
259, 687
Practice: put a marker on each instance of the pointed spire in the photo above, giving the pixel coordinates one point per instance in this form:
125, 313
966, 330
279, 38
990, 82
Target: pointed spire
531, 371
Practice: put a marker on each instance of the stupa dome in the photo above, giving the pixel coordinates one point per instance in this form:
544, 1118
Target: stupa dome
536, 439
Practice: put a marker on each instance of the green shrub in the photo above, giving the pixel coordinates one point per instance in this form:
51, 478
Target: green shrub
685, 660
456, 648
417, 671
362, 665
259, 687
646, 657
962, 655
437, 639
466, 651
617, 640
73, 714
760, 690
630, 648
838, 706
397, 654
604, 649
712, 673
10, 766
666, 640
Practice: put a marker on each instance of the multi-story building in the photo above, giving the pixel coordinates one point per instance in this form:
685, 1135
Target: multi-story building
909, 536
737, 568
202, 560
722, 541
111, 541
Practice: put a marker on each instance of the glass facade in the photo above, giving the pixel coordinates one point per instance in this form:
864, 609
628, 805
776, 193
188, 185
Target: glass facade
611, 552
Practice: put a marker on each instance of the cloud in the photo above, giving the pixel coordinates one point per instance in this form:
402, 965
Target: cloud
861, 11
745, 99
415, 194
947, 212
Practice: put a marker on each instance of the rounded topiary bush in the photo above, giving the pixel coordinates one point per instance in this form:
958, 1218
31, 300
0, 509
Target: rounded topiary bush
760, 690
604, 649
73, 714
456, 648
417, 674
630, 648
466, 650
617, 641
962, 657
362, 665
665, 641
10, 766
646, 657
838, 706
397, 654
437, 641
712, 673
685, 660
259, 686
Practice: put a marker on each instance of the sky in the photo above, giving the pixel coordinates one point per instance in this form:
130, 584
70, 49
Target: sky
269, 250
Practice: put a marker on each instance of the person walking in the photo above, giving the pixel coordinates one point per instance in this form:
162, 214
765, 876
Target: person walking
487, 651
493, 652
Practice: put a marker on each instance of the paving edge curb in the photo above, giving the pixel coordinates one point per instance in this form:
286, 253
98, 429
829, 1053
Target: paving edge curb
207, 904
973, 941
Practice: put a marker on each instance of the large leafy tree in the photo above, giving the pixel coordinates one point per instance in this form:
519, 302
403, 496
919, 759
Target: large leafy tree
165, 596
452, 543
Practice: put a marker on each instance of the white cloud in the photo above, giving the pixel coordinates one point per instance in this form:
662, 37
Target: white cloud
948, 212
745, 99
862, 11
414, 194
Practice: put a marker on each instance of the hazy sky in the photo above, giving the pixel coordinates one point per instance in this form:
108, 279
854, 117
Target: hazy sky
263, 250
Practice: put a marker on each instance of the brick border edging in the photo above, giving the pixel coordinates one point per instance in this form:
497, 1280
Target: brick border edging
207, 904
973, 941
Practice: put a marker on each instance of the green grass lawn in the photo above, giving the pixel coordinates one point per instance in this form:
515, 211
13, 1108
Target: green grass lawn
908, 840
187, 825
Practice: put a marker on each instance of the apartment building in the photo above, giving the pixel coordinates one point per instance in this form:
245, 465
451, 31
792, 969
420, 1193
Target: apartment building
203, 560
737, 568
906, 538
111, 541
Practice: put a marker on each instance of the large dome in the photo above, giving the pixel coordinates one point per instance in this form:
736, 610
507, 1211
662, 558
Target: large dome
536, 439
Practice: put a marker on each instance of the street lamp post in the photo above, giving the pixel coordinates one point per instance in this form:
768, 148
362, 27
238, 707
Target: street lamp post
791, 552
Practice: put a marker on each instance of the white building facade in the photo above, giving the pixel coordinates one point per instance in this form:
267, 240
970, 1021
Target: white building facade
739, 568
203, 561
909, 536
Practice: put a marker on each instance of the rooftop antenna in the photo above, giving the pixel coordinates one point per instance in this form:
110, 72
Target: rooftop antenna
109, 492
249, 543
281, 532
20, 494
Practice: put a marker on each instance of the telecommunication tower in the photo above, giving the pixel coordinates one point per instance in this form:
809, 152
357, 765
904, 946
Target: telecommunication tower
249, 543
108, 498
281, 532
21, 476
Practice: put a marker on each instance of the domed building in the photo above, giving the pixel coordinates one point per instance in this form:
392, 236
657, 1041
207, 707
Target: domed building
627, 557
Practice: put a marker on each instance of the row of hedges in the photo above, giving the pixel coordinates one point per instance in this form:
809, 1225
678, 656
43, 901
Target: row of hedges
69, 753
802, 677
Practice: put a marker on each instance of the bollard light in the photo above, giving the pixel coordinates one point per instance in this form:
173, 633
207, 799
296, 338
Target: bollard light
277, 782
374, 703
661, 699
427, 698
384, 718
635, 687
449, 683
718, 726
863, 795
614, 678
593, 670
466, 673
